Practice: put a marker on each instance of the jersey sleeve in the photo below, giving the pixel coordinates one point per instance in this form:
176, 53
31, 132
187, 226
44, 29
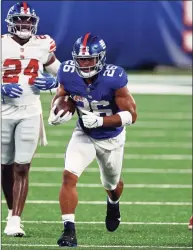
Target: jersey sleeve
60, 74
120, 79
48, 46
52, 45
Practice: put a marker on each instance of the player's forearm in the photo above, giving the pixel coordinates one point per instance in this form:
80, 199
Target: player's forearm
112, 121
53, 100
120, 119
59, 92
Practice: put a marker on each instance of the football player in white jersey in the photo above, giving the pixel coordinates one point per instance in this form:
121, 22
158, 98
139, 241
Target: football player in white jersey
24, 58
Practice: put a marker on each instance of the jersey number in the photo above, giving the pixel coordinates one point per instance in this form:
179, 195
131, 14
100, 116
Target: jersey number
110, 70
100, 108
12, 75
69, 66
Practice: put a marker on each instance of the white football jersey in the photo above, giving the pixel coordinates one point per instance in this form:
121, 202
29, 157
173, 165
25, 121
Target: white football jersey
22, 64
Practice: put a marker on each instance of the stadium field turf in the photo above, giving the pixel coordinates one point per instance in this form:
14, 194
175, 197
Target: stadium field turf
157, 171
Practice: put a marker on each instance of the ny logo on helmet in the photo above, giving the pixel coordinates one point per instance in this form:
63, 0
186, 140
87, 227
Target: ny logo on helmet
84, 51
25, 11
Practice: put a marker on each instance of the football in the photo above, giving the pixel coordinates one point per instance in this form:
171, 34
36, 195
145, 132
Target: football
66, 103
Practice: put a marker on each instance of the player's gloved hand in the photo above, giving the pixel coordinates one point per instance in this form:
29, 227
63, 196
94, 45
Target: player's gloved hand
12, 90
57, 119
45, 83
91, 120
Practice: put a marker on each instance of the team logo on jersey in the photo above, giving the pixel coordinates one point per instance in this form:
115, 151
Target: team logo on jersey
84, 51
78, 98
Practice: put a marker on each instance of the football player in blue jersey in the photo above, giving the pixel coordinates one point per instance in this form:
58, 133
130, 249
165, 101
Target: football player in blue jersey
104, 106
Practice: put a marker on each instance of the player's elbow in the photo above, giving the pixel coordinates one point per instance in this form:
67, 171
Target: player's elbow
134, 117
134, 114
133, 111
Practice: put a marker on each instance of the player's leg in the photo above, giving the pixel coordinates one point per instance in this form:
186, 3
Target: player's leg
110, 164
79, 154
190, 223
7, 160
26, 140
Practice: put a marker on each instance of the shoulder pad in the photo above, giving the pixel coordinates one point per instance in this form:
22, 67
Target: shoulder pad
117, 76
50, 41
67, 68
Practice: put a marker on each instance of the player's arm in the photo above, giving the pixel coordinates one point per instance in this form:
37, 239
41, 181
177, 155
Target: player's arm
56, 119
52, 65
59, 92
127, 105
48, 82
126, 116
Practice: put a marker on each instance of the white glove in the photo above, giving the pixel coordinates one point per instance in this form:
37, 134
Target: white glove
91, 120
57, 119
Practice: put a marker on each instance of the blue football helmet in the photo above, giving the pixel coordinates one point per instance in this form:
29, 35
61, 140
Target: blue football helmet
22, 20
89, 55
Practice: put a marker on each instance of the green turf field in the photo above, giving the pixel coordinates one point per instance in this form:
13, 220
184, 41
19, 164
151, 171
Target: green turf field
156, 203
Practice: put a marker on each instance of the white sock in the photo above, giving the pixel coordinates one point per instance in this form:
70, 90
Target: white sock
10, 212
113, 202
68, 217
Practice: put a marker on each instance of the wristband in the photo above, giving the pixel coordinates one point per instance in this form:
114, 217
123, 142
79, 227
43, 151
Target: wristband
126, 118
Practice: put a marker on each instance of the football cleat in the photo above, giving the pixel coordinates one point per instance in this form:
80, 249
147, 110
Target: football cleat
14, 227
113, 217
67, 239
190, 223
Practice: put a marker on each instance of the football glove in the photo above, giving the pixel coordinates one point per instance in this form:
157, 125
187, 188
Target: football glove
12, 90
46, 82
57, 119
91, 120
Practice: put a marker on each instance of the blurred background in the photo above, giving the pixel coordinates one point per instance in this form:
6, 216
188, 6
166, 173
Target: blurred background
152, 40
138, 34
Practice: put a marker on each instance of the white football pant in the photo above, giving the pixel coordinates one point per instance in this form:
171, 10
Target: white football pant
19, 139
82, 150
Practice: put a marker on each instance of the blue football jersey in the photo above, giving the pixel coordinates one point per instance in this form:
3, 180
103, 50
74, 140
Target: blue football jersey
98, 97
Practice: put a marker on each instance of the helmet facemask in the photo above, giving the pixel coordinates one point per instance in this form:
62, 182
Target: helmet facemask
23, 26
88, 65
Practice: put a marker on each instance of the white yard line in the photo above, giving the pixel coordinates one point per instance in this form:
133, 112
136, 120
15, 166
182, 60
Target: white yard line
143, 88
158, 157
159, 116
104, 203
134, 144
127, 156
93, 185
99, 246
149, 115
164, 124
167, 125
124, 170
102, 222
134, 133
